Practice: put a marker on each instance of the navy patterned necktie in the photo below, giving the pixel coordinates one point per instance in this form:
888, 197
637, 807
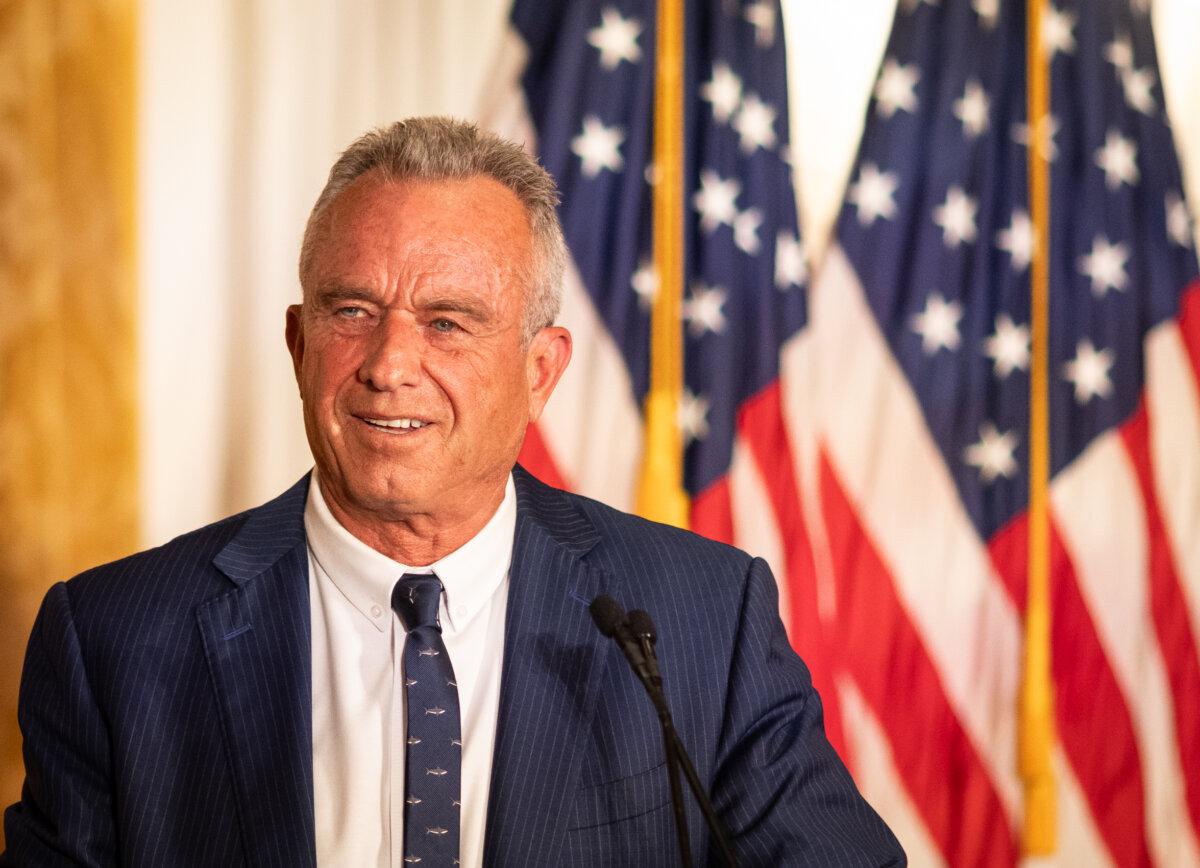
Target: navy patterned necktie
433, 755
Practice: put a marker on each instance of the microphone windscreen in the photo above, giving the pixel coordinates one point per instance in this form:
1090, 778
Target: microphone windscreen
608, 614
642, 625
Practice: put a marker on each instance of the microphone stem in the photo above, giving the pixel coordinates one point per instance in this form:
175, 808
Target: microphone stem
677, 758
710, 817
681, 829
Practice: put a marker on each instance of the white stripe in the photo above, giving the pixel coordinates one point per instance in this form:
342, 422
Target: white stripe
878, 779
1098, 506
902, 492
591, 424
799, 397
1171, 396
755, 527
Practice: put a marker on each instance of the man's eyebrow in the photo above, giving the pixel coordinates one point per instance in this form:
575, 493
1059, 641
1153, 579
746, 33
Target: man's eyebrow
468, 307
334, 294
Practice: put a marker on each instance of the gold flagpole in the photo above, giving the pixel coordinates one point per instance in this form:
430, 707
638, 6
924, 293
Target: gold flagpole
661, 495
1036, 722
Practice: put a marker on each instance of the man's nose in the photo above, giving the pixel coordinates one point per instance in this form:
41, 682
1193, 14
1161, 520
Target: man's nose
393, 356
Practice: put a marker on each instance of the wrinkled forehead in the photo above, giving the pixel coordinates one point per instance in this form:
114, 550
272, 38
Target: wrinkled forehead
378, 222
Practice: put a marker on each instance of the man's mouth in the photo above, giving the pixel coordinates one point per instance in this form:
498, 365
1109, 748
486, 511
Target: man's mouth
392, 424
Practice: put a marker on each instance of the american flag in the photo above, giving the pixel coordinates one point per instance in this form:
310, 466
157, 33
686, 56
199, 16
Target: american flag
874, 447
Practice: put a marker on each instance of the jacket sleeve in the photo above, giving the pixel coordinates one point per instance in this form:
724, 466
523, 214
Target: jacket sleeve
65, 816
780, 788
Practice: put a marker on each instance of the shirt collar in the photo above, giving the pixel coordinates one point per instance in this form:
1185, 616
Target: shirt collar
471, 574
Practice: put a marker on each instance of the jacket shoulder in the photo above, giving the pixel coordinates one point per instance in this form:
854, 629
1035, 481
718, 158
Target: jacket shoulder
669, 557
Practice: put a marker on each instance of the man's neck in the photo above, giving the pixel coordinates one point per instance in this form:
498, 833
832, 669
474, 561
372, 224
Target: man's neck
416, 539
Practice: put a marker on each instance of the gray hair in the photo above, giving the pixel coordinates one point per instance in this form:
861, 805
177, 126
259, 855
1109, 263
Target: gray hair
434, 149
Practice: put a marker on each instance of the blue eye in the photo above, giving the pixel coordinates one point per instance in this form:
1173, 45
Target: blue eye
444, 325
350, 312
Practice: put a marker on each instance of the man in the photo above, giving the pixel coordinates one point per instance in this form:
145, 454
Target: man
394, 662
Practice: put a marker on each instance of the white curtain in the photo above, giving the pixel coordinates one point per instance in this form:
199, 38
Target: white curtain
244, 104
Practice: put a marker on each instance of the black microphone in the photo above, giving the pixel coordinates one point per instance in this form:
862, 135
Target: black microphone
611, 621
642, 628
608, 615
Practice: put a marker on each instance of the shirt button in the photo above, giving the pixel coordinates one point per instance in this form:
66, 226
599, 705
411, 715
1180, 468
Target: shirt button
376, 611
460, 611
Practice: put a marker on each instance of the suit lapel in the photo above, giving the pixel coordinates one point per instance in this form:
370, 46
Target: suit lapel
257, 640
553, 658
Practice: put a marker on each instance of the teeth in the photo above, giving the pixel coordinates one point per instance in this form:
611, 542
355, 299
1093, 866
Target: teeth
396, 423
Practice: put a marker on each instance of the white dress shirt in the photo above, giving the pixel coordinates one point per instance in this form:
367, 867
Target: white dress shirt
358, 713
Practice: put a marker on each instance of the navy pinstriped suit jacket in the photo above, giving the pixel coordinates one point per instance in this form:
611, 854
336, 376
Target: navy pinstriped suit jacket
166, 705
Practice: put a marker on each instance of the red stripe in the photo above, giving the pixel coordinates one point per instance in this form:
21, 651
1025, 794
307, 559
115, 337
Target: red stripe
536, 458
883, 650
1094, 726
1169, 608
1189, 325
762, 428
712, 512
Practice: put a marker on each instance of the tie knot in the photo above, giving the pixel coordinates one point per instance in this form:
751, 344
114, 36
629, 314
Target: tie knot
415, 599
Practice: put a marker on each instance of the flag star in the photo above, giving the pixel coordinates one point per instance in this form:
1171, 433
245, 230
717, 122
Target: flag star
1179, 222
1118, 159
616, 38
956, 216
872, 194
1057, 27
938, 324
972, 109
1047, 129
993, 454
896, 88
702, 310
755, 124
1105, 265
598, 147
745, 230
1089, 372
988, 12
692, 416
1008, 347
791, 266
1137, 85
645, 283
1018, 240
1119, 53
762, 16
724, 91
716, 200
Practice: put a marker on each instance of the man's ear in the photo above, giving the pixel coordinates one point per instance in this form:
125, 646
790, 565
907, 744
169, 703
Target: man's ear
547, 358
293, 333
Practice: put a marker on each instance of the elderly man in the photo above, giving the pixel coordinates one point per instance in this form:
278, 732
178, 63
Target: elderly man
393, 662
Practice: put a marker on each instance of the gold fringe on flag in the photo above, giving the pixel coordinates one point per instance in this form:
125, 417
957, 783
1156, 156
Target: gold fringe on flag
661, 496
68, 486
1036, 722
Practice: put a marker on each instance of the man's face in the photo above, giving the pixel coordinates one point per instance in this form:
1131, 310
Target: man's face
408, 350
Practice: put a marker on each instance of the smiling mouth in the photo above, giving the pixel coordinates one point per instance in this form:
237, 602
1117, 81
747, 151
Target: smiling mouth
401, 424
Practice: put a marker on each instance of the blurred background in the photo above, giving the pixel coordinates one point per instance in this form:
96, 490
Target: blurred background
157, 164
